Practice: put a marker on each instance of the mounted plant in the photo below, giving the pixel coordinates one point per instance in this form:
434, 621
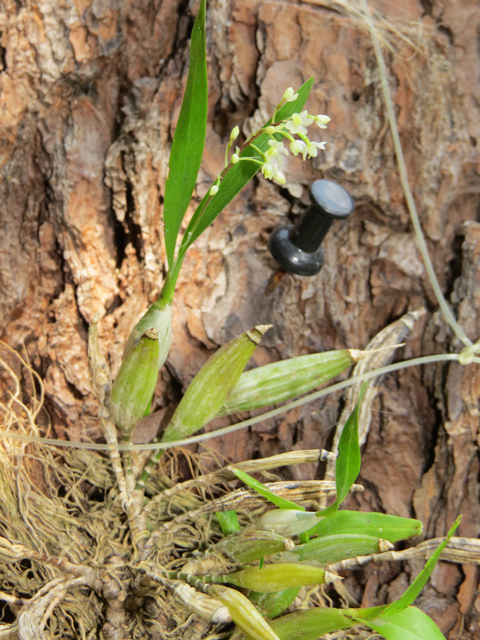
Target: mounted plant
154, 539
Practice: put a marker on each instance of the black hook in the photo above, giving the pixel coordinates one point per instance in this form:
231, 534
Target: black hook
297, 248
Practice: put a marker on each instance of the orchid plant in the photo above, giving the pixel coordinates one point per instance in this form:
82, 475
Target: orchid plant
220, 388
255, 570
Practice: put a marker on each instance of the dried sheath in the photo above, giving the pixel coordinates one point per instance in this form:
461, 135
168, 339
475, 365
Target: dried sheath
244, 613
207, 608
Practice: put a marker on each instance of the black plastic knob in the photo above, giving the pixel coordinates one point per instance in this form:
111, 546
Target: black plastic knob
297, 248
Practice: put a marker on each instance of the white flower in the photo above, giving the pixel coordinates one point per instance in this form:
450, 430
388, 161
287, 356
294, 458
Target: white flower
272, 171
269, 169
322, 121
289, 95
311, 149
298, 122
297, 146
276, 147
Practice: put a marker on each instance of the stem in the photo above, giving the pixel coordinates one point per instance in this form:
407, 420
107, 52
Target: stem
444, 357
168, 289
402, 170
127, 502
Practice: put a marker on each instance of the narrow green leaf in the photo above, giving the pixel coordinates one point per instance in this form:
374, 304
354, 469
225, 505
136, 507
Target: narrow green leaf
380, 525
407, 624
348, 461
239, 174
260, 488
228, 522
417, 585
189, 138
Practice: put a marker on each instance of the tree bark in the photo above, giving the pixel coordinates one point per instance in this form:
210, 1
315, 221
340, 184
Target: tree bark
90, 92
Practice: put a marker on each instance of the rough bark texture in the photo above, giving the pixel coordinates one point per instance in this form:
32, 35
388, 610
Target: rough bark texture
89, 94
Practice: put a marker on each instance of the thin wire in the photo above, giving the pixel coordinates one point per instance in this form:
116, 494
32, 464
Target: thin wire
402, 170
444, 357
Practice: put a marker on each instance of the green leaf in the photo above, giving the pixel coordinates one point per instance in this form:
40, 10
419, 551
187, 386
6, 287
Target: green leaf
273, 604
348, 462
228, 522
380, 525
417, 585
239, 174
407, 624
310, 624
260, 488
189, 138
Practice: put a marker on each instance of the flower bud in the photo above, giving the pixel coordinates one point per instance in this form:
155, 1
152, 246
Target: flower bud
322, 121
235, 133
135, 383
289, 95
213, 190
